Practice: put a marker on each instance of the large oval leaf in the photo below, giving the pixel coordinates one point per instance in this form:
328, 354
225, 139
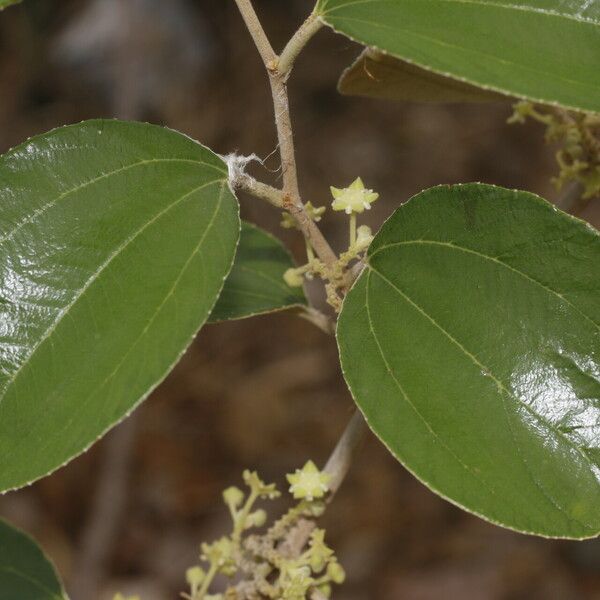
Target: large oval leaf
472, 345
543, 50
255, 284
115, 240
25, 572
378, 75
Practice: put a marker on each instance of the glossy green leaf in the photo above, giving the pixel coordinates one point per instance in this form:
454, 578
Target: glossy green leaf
378, 75
255, 284
543, 50
25, 572
5, 3
471, 343
115, 240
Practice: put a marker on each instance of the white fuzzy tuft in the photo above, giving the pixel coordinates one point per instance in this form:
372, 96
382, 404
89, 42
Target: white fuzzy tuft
237, 164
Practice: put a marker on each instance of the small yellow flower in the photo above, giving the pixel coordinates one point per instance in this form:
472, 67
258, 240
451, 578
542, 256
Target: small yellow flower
353, 199
308, 482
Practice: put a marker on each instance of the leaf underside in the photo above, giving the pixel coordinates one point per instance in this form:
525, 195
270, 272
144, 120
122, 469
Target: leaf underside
25, 572
472, 345
377, 75
115, 240
543, 50
255, 284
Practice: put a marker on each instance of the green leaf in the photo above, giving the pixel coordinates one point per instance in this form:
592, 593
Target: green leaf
255, 284
543, 50
471, 343
6, 3
378, 75
115, 240
25, 572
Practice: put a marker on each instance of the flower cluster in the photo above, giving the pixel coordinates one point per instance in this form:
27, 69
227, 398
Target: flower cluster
352, 200
261, 566
578, 134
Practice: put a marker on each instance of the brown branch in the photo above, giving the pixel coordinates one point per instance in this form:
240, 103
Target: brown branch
277, 78
245, 183
318, 319
257, 32
297, 42
341, 458
278, 69
292, 201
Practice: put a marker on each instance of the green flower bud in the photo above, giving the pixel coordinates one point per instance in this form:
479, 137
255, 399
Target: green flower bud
233, 496
336, 572
364, 237
256, 519
195, 576
293, 278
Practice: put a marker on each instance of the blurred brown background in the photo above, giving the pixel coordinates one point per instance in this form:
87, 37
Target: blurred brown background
265, 393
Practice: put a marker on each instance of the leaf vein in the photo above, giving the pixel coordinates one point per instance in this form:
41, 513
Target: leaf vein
480, 365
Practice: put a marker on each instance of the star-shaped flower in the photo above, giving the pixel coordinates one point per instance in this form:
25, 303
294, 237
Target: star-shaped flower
308, 483
353, 199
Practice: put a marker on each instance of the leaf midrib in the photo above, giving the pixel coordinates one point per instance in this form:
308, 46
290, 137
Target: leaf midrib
42, 209
493, 259
485, 368
390, 371
406, 397
69, 422
93, 277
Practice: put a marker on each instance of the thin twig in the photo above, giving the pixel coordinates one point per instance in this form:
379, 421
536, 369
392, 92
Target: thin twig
278, 69
318, 319
297, 42
292, 200
257, 32
341, 458
248, 184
